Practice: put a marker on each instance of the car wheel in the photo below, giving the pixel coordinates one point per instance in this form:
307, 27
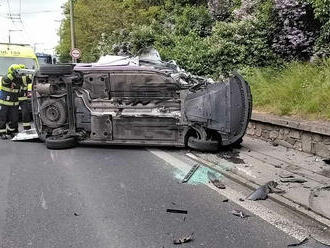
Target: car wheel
56, 69
60, 142
53, 113
203, 145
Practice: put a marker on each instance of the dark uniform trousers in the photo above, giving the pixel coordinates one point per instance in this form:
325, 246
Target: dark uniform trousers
10, 89
8, 114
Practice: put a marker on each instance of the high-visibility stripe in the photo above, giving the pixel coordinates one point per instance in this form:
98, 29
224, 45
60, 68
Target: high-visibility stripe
9, 89
7, 103
3, 130
10, 129
26, 124
10, 76
23, 98
24, 88
24, 80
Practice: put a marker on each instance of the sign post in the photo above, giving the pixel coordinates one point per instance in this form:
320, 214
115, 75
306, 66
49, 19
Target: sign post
75, 54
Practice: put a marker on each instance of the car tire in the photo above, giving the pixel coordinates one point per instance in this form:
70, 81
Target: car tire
203, 145
56, 69
56, 142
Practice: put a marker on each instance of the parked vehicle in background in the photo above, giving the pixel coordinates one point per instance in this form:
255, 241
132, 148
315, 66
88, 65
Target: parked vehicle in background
149, 103
16, 54
44, 58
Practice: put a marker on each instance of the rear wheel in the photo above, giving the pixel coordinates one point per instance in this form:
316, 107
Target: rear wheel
56, 69
60, 142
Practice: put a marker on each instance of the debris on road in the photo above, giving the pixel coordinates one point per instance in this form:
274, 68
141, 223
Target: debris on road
176, 211
231, 156
225, 200
327, 161
304, 241
293, 180
286, 175
76, 214
239, 213
215, 180
190, 173
241, 199
310, 242
262, 192
26, 135
183, 240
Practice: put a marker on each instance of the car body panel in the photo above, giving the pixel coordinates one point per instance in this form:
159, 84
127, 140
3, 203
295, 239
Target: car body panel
140, 105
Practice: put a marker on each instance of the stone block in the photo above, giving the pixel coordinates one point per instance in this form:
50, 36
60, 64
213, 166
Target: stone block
284, 143
326, 140
295, 134
317, 138
306, 140
290, 140
258, 131
298, 145
273, 135
321, 149
265, 134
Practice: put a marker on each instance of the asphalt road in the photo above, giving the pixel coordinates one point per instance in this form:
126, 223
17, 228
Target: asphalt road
113, 197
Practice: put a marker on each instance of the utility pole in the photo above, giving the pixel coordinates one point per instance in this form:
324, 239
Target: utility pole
12, 30
73, 38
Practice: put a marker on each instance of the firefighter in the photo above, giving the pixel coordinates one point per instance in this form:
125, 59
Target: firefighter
23, 101
10, 88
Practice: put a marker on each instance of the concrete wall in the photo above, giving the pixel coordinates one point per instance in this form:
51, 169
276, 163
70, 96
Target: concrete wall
308, 136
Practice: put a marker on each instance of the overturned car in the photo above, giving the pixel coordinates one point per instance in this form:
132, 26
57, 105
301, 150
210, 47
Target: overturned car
148, 103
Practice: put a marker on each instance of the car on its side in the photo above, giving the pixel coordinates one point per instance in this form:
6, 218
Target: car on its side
152, 103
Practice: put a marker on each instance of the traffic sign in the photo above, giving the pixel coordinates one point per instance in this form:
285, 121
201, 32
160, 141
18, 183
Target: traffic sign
75, 53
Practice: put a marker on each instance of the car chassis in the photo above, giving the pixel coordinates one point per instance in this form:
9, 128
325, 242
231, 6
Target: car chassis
150, 104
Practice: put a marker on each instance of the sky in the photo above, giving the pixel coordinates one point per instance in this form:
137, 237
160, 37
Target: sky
41, 21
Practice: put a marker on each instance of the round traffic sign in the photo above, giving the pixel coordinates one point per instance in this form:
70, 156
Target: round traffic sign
75, 53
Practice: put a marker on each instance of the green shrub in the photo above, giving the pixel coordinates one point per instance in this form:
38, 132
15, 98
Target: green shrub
297, 89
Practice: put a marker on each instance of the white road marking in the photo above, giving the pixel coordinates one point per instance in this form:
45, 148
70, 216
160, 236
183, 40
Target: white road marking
293, 229
43, 202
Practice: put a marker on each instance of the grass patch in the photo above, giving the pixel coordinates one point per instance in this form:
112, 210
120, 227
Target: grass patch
300, 89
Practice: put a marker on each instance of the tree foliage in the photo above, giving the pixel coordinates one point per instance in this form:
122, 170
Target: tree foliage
206, 37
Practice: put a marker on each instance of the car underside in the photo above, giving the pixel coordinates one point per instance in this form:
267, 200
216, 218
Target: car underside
138, 105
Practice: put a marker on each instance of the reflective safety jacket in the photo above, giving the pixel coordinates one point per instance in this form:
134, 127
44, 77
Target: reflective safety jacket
23, 94
10, 89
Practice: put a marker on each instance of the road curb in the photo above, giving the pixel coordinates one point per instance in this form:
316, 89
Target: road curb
303, 210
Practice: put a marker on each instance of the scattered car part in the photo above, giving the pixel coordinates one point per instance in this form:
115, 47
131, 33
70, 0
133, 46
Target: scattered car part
239, 213
60, 142
26, 135
190, 173
183, 240
176, 211
327, 161
302, 242
262, 192
203, 145
215, 180
293, 180
225, 200
286, 175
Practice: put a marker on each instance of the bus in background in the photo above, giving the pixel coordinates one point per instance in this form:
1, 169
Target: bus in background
44, 58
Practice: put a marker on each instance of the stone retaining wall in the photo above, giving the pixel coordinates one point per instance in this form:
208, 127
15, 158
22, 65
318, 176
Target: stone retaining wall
310, 137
